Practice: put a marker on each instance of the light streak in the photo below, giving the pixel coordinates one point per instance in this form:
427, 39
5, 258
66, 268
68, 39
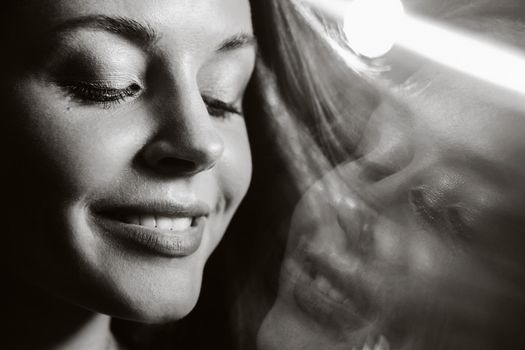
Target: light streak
475, 56
502, 66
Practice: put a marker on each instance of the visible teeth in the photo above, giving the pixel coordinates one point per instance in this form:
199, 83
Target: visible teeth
181, 224
163, 223
382, 344
148, 221
369, 344
324, 286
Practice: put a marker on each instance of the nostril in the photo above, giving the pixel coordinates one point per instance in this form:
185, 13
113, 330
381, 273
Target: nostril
171, 163
183, 156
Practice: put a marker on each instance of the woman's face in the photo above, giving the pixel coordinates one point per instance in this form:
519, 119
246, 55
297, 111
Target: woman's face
434, 257
127, 148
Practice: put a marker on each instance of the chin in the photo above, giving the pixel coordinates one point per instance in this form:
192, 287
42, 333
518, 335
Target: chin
128, 284
145, 297
159, 313
285, 329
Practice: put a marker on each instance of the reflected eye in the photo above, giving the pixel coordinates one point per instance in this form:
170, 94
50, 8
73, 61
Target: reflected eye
457, 220
220, 109
103, 94
461, 221
423, 202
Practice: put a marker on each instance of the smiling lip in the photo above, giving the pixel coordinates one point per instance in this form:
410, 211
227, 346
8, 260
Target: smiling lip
317, 303
167, 229
325, 292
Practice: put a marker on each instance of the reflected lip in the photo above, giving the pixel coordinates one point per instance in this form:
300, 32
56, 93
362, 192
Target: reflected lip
327, 291
341, 315
111, 218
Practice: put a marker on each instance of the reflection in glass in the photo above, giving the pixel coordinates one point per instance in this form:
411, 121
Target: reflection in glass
417, 242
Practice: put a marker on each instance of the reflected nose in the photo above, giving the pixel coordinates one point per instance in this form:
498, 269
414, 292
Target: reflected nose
385, 157
387, 146
187, 141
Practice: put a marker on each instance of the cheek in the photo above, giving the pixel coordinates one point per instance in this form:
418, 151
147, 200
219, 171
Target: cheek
412, 257
235, 168
72, 150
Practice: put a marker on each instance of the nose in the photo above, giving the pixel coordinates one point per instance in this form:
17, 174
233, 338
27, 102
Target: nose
188, 141
385, 156
191, 154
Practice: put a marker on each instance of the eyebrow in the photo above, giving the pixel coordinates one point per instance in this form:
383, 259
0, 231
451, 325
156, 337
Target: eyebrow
494, 171
136, 32
141, 33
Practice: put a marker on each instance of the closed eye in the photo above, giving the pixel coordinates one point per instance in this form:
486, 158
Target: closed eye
220, 109
421, 204
454, 223
101, 93
461, 221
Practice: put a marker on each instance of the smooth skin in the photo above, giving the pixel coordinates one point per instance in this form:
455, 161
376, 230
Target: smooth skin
97, 112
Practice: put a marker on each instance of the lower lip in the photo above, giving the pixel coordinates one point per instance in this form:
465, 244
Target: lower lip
166, 243
320, 308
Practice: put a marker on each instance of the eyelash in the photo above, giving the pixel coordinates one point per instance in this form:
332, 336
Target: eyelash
419, 204
108, 97
458, 224
102, 94
220, 109
447, 219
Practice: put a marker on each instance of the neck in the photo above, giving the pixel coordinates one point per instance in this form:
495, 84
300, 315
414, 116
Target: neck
38, 320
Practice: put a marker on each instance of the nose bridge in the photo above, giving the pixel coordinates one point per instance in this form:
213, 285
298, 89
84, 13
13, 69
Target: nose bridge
388, 143
189, 124
187, 140
386, 153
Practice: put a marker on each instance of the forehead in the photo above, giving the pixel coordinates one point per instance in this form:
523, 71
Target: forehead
193, 20
452, 113
461, 110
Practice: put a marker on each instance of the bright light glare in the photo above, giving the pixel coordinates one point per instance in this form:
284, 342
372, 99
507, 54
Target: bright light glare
500, 66
373, 26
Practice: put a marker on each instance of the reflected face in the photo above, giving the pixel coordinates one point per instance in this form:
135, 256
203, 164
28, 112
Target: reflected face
131, 148
422, 246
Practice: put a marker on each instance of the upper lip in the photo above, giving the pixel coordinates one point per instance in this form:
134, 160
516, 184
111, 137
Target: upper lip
349, 281
166, 208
